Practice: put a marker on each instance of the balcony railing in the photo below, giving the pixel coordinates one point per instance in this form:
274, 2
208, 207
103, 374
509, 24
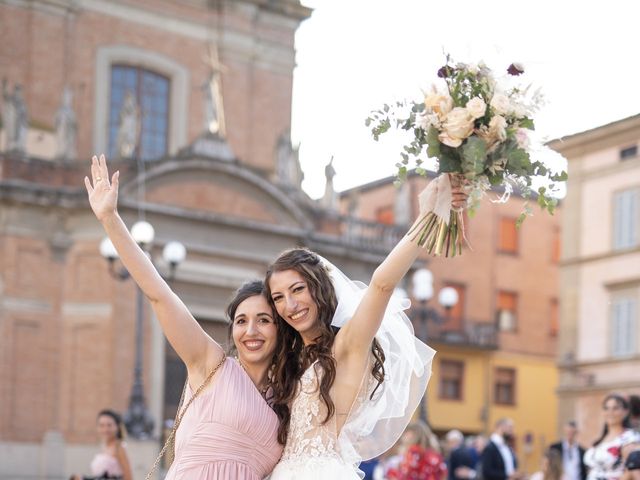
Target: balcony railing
359, 233
482, 335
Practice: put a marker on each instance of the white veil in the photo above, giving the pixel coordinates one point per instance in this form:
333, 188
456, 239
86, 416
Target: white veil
374, 425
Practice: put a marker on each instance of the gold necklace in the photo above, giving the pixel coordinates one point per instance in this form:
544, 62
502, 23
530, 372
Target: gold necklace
262, 390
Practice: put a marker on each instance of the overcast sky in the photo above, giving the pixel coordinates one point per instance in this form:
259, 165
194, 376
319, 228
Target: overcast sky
354, 55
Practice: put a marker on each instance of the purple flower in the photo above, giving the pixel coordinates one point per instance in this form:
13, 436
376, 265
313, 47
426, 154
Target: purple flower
515, 69
445, 71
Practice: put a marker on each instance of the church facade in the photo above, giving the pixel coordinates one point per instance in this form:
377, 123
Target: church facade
230, 195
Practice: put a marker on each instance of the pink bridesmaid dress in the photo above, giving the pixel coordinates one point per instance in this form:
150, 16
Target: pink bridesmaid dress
229, 432
105, 464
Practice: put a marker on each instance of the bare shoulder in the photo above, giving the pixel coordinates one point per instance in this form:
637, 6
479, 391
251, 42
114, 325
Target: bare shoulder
120, 448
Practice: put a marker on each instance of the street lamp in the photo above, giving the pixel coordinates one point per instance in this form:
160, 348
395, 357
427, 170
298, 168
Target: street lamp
423, 292
137, 418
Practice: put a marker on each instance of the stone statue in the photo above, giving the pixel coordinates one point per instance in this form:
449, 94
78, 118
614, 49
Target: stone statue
213, 105
402, 208
129, 127
66, 128
330, 199
15, 120
287, 163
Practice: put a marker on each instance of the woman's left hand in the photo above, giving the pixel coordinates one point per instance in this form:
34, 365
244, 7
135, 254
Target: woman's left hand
103, 195
459, 190
458, 198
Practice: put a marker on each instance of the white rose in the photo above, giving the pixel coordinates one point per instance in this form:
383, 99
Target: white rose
427, 120
422, 121
498, 127
440, 103
457, 126
476, 107
500, 103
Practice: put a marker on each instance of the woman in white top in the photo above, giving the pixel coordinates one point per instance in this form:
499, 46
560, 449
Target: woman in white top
349, 371
606, 457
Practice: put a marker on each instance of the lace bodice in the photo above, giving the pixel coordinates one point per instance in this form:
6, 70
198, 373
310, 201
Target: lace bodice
309, 439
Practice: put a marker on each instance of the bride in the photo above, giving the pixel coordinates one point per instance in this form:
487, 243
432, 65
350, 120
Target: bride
349, 372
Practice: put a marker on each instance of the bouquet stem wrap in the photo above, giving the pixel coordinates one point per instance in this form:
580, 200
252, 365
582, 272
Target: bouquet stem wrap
440, 229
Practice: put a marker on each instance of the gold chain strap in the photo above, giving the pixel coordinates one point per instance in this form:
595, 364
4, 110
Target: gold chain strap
180, 415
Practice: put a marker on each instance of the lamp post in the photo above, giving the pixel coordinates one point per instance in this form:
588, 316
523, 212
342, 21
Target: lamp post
423, 292
137, 418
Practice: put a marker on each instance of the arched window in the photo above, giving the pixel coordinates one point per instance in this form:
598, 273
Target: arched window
161, 88
151, 92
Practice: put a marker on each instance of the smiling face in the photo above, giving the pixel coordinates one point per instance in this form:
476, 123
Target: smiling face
107, 428
294, 302
614, 412
254, 331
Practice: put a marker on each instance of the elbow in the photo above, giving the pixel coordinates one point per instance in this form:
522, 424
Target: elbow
381, 282
152, 299
158, 298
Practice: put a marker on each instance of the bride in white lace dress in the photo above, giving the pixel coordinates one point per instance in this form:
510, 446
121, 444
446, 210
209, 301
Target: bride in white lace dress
349, 372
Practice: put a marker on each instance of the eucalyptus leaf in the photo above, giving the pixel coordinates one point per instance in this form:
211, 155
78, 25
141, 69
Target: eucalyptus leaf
474, 152
560, 177
527, 123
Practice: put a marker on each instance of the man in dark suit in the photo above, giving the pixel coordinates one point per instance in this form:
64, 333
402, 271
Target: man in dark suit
498, 459
571, 452
460, 465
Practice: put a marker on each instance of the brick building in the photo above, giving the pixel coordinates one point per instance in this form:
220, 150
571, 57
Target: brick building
497, 345
67, 326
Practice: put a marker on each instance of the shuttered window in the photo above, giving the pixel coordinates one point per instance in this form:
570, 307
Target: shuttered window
626, 219
624, 313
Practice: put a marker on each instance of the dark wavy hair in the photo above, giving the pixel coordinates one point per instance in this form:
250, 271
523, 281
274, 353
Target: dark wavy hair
292, 356
634, 406
626, 422
120, 434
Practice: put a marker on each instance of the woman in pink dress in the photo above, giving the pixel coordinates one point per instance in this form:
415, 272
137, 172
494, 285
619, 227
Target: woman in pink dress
112, 461
228, 431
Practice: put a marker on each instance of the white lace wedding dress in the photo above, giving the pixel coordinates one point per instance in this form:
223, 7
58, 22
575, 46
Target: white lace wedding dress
312, 451
317, 451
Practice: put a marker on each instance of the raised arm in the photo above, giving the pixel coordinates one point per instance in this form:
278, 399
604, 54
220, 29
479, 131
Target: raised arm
356, 336
196, 349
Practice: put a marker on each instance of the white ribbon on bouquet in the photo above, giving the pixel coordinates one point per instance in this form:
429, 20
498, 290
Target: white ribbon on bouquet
437, 198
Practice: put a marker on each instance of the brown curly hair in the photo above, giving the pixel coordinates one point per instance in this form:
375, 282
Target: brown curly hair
292, 356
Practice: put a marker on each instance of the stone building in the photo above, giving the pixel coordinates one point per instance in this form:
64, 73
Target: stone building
599, 341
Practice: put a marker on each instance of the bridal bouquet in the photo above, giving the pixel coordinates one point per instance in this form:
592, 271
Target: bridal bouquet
478, 130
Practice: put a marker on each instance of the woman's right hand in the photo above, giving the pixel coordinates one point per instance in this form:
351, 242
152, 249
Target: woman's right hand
103, 195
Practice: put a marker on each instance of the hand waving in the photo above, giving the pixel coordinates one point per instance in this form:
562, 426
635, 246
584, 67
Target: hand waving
103, 195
